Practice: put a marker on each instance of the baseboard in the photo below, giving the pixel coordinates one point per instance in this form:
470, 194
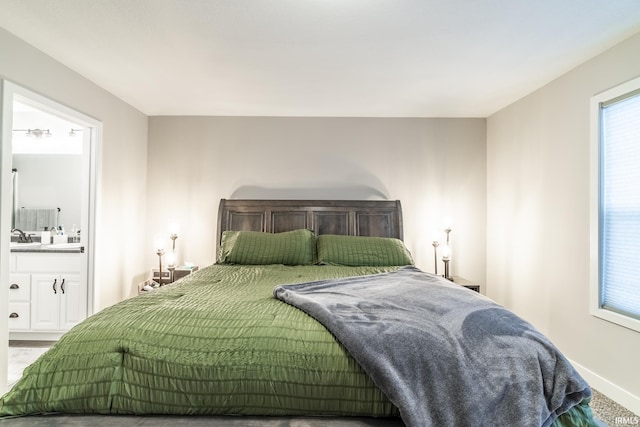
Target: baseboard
611, 390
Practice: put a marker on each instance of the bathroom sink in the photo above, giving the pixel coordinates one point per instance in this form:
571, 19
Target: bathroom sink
24, 245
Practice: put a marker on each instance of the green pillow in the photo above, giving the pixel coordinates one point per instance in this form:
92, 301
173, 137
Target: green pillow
296, 247
362, 251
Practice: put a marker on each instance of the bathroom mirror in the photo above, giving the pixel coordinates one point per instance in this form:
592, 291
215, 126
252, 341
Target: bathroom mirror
47, 177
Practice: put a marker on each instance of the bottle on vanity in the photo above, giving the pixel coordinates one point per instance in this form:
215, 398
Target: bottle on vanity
60, 236
45, 236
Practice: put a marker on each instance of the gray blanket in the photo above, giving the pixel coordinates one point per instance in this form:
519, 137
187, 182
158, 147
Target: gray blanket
444, 355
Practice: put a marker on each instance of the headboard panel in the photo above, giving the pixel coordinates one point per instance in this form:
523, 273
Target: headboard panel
382, 218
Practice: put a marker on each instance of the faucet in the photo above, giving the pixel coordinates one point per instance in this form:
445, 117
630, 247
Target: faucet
22, 238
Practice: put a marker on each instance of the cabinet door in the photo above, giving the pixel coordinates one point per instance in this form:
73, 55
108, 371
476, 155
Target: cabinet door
73, 301
45, 302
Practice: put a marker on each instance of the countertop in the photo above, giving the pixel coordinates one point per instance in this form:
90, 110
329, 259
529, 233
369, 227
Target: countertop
55, 248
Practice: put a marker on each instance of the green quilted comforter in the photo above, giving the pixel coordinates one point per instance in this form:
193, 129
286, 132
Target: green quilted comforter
216, 342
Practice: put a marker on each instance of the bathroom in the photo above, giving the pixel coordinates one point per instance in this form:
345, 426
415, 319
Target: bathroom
47, 177
49, 275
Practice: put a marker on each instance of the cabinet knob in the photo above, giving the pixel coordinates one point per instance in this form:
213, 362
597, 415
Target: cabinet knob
13, 316
14, 286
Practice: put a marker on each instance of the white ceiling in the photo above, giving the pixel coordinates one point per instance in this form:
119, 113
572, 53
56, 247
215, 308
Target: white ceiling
350, 58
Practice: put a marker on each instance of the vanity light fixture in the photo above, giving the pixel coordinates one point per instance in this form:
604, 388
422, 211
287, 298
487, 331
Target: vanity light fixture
38, 133
73, 132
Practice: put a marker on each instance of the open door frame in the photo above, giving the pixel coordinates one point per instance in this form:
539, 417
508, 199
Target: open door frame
9, 92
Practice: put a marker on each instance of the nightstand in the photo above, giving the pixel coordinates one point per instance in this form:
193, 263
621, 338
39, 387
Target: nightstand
467, 284
180, 272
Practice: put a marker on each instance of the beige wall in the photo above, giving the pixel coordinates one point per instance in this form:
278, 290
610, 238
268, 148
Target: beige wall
538, 220
122, 178
436, 167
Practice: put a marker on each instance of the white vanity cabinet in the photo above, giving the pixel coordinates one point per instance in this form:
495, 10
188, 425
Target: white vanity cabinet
49, 297
57, 301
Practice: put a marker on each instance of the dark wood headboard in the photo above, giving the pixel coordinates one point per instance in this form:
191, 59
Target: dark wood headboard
382, 218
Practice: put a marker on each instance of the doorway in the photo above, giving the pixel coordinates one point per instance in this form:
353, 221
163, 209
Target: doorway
48, 162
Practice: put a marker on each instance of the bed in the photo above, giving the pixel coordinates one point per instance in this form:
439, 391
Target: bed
229, 339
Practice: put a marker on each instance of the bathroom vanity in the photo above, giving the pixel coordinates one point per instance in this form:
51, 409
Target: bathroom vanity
47, 295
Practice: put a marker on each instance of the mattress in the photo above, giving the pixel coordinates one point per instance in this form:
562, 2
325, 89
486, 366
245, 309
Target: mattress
214, 343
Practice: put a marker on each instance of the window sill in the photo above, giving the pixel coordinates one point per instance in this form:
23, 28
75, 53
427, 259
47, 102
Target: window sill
618, 319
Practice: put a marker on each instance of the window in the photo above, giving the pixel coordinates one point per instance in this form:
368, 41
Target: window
615, 221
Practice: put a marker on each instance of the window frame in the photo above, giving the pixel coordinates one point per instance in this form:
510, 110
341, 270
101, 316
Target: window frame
597, 101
